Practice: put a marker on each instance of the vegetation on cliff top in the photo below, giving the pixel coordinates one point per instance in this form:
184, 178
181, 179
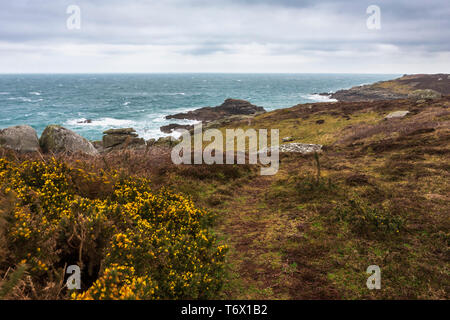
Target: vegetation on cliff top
381, 198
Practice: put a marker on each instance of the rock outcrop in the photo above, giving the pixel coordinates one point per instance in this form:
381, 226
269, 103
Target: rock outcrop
174, 126
230, 111
122, 138
19, 138
58, 139
166, 141
228, 108
418, 86
397, 114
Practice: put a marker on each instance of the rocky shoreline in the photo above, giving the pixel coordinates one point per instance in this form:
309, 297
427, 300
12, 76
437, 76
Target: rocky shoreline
418, 86
57, 139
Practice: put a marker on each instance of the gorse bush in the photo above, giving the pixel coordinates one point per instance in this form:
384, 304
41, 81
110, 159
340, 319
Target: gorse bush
130, 242
369, 220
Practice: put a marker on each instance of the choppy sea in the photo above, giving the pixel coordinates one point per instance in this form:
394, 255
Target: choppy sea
142, 101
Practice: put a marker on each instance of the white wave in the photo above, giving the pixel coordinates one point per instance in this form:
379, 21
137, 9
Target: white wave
4, 93
25, 99
102, 122
35, 93
150, 133
126, 103
319, 98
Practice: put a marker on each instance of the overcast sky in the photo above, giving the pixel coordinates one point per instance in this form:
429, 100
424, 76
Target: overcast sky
225, 36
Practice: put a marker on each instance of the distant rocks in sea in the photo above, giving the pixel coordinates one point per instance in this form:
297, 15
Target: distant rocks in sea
85, 121
229, 110
174, 126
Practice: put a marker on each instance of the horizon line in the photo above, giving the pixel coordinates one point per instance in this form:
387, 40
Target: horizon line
144, 73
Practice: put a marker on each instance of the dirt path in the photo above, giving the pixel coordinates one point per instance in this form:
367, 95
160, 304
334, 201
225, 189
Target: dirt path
266, 258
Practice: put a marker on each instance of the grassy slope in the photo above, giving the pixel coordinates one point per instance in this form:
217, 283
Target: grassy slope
292, 237
382, 199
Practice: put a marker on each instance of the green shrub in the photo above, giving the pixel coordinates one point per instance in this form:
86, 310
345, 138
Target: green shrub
369, 220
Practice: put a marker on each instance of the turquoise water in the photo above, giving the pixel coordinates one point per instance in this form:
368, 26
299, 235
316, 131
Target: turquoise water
142, 101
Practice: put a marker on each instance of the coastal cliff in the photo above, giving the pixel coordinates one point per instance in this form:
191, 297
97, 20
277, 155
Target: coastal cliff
409, 86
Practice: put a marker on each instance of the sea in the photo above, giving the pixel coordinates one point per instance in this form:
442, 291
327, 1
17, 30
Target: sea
92, 103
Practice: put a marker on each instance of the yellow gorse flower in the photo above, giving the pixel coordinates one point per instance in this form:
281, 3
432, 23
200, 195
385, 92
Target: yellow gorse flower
150, 245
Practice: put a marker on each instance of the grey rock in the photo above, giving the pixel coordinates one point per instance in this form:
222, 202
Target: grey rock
121, 141
19, 138
425, 94
125, 131
58, 139
287, 139
174, 127
228, 108
303, 148
397, 114
85, 121
98, 144
122, 138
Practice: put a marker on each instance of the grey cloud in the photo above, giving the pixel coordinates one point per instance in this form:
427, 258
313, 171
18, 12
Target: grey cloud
205, 27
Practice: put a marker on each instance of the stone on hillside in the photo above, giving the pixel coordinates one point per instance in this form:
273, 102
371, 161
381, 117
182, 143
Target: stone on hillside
19, 138
303, 148
397, 114
287, 139
58, 139
424, 94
